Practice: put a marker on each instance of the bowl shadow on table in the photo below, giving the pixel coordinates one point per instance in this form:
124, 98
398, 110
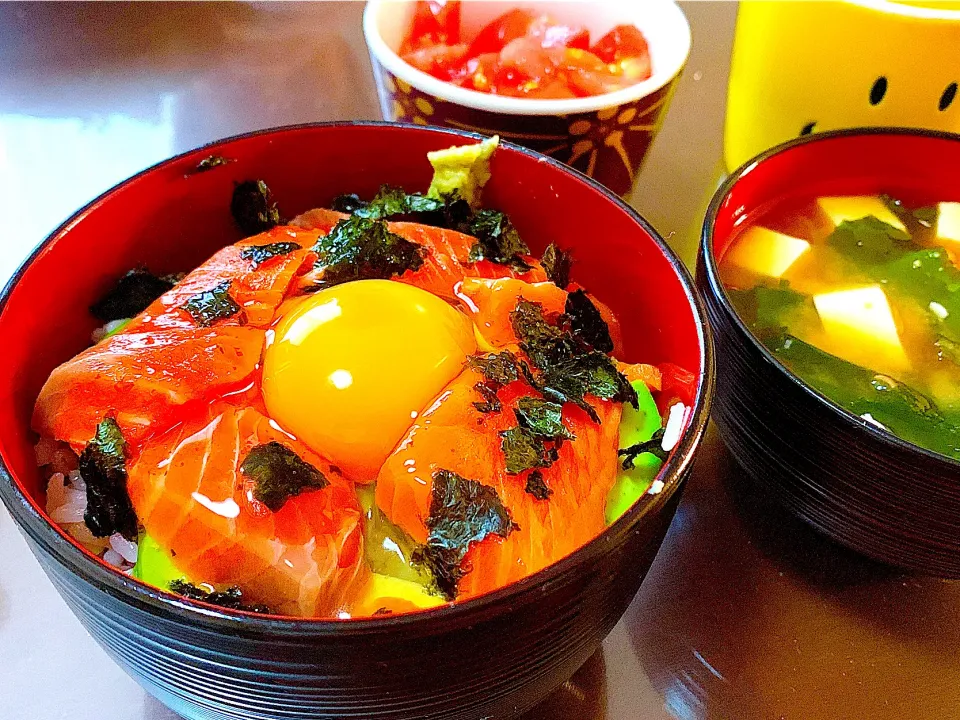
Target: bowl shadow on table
740, 578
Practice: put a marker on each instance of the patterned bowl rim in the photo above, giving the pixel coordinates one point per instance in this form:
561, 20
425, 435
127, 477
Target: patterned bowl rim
55, 543
675, 20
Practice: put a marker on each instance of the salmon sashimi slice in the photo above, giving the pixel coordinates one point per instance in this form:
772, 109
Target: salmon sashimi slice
491, 300
453, 435
144, 380
303, 559
257, 287
446, 260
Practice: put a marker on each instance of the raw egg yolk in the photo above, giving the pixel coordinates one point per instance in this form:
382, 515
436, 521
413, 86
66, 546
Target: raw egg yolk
348, 369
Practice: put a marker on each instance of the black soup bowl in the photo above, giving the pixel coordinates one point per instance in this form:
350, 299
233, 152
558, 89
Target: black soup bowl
489, 657
860, 485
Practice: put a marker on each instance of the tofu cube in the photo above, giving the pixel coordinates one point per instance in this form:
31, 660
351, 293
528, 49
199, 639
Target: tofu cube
854, 207
948, 221
765, 251
860, 326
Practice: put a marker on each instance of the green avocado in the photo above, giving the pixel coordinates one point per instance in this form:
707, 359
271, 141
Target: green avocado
637, 425
462, 168
155, 565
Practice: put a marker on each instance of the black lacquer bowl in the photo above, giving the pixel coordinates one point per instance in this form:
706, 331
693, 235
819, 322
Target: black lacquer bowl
489, 657
860, 485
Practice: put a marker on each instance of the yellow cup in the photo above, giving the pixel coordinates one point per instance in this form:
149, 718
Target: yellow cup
801, 67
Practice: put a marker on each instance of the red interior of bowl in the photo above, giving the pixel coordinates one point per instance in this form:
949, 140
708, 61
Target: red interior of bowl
169, 220
916, 168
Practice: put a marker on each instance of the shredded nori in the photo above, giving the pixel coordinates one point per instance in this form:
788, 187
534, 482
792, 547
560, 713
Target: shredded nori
103, 468
393, 201
536, 486
363, 249
462, 512
587, 323
497, 368
497, 240
491, 402
524, 450
542, 418
279, 474
568, 372
132, 295
556, 263
210, 162
653, 446
259, 254
211, 305
253, 208
348, 203
231, 598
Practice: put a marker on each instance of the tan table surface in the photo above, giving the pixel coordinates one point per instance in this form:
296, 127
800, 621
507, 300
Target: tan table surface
745, 614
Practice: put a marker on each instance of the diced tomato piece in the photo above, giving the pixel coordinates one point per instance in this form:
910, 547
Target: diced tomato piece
553, 35
624, 41
478, 73
435, 22
587, 74
442, 61
496, 34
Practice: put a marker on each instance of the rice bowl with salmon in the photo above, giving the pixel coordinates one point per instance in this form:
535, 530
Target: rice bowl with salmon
373, 409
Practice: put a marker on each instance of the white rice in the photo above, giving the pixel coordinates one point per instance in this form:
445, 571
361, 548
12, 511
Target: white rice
67, 502
108, 329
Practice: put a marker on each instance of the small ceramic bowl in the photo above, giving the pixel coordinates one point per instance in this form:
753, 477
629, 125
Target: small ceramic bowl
605, 137
493, 656
860, 485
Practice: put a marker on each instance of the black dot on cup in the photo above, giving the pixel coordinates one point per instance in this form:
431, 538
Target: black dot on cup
878, 90
949, 93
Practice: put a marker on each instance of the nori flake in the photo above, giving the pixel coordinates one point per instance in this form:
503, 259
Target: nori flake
211, 305
556, 263
542, 418
103, 468
363, 249
231, 598
587, 323
279, 474
491, 402
210, 162
497, 240
524, 450
253, 208
497, 368
462, 512
259, 254
132, 295
536, 486
653, 446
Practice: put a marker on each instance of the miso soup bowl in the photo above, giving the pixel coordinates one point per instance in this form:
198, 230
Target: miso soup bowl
858, 484
489, 657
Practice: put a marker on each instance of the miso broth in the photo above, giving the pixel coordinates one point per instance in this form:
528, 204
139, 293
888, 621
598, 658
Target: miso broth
860, 297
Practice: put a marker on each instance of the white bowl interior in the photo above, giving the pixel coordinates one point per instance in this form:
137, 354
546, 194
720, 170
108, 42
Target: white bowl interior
386, 22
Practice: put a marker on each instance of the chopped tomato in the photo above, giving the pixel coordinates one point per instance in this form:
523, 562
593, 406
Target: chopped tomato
509, 26
624, 41
435, 22
441, 61
520, 54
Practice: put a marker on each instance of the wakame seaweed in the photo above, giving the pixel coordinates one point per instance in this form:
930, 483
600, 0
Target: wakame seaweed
133, 293
231, 598
587, 323
556, 263
259, 254
103, 468
567, 371
654, 446
279, 474
497, 240
868, 240
211, 305
253, 208
362, 249
462, 512
536, 486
